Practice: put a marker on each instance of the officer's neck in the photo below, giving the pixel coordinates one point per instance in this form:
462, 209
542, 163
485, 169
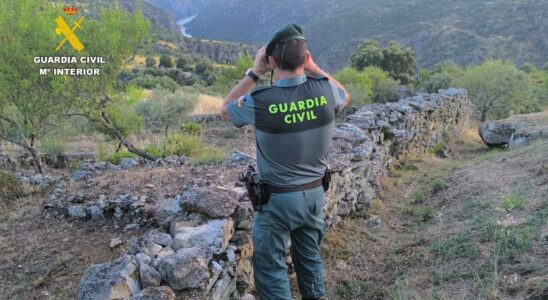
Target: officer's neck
281, 74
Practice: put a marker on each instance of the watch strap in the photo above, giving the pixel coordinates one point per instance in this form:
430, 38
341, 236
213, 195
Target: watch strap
252, 75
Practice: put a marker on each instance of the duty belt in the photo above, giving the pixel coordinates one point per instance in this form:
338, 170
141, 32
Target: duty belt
276, 189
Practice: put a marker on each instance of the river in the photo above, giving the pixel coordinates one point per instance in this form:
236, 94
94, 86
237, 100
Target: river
183, 21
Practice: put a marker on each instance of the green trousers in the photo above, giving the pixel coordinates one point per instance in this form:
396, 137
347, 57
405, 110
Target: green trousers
298, 215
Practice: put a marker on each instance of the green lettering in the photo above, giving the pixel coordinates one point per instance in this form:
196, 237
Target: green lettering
287, 120
300, 116
309, 103
323, 101
312, 115
302, 105
283, 107
272, 109
292, 107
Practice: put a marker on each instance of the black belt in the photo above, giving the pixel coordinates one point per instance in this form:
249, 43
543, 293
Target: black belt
276, 189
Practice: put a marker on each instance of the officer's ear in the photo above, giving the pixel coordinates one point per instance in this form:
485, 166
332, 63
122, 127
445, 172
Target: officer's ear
307, 57
272, 62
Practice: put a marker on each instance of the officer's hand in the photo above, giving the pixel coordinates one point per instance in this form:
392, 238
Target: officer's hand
310, 65
261, 65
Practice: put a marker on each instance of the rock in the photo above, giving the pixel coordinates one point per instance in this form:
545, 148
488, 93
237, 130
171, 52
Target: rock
213, 202
156, 236
213, 235
149, 276
96, 212
112, 280
166, 208
128, 163
244, 225
131, 226
247, 297
374, 221
223, 288
152, 250
241, 158
167, 251
515, 131
186, 269
77, 212
143, 259
80, 175
115, 243
155, 293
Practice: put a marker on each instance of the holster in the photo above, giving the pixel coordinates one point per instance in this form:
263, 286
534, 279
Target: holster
255, 188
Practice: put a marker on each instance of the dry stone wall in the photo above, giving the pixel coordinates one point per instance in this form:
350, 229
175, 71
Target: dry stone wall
204, 251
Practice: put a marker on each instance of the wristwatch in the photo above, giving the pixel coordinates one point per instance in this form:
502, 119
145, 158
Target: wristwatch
252, 75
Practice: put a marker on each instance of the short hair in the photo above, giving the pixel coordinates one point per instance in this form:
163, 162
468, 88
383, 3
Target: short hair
290, 55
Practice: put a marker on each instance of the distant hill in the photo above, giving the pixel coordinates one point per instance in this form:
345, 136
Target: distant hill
465, 31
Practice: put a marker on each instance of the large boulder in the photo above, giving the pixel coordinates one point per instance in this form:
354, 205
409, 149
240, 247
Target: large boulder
215, 202
515, 131
186, 269
213, 235
118, 279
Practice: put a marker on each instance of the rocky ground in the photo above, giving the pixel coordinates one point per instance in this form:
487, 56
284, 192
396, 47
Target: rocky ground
472, 226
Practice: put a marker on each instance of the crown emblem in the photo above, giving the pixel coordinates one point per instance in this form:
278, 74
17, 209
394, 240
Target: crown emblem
70, 10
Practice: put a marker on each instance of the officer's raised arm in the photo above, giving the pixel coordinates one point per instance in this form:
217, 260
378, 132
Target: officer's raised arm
312, 68
245, 85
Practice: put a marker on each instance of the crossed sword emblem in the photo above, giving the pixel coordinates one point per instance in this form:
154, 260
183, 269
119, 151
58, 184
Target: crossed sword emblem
64, 29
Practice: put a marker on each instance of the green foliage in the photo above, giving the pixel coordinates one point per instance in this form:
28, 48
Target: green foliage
193, 147
116, 157
437, 81
230, 75
358, 84
164, 109
52, 146
512, 202
528, 68
10, 187
166, 61
150, 62
498, 89
229, 134
183, 62
419, 197
123, 115
192, 128
437, 148
461, 246
349, 290
399, 61
151, 82
385, 89
438, 185
367, 54
155, 151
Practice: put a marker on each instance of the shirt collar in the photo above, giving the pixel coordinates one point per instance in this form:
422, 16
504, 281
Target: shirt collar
290, 81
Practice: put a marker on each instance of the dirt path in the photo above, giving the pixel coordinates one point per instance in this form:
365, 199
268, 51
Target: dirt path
470, 227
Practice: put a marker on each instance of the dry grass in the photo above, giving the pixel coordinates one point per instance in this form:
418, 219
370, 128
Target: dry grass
208, 105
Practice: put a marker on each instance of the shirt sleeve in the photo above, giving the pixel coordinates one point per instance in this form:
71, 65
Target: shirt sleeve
339, 96
242, 111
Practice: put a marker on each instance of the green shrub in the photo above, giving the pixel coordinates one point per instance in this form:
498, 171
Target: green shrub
192, 147
438, 185
52, 146
150, 82
437, 148
358, 84
116, 157
419, 197
150, 62
166, 61
165, 109
229, 134
191, 128
155, 151
512, 202
10, 187
385, 89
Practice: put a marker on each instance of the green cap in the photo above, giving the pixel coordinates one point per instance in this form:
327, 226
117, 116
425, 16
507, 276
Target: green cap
290, 31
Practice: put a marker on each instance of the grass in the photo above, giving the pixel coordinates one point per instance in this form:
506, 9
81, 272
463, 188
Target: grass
207, 105
10, 187
424, 212
512, 202
438, 185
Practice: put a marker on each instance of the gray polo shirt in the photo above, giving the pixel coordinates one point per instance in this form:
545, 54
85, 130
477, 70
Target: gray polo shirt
294, 122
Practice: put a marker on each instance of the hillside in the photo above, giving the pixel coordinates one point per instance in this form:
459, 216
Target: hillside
464, 31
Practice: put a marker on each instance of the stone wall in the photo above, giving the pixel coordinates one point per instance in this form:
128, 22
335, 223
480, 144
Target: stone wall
205, 250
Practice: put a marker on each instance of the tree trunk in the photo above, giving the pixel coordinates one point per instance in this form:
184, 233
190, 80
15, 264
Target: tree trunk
119, 147
165, 130
36, 155
130, 147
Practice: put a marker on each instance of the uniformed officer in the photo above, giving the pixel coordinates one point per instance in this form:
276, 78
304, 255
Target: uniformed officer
293, 121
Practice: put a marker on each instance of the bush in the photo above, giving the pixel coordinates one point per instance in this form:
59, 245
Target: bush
512, 202
150, 82
10, 187
438, 185
191, 128
385, 89
52, 146
166, 61
183, 62
192, 147
150, 62
116, 157
155, 151
437, 81
358, 84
